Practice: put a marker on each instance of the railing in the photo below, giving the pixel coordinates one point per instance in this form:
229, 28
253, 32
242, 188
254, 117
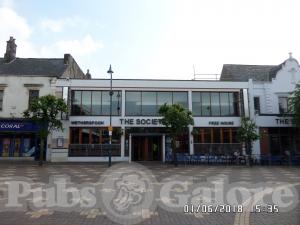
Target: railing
217, 149
84, 150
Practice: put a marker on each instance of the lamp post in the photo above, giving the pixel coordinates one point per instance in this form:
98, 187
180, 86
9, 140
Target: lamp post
110, 129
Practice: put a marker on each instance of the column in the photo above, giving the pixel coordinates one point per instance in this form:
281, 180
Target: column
129, 160
191, 140
123, 143
163, 143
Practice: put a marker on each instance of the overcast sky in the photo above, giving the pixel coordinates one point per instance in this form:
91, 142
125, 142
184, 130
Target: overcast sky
154, 38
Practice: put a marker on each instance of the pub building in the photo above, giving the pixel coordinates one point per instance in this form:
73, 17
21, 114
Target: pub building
138, 134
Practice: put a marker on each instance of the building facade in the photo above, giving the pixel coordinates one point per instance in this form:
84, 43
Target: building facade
21, 81
138, 134
269, 89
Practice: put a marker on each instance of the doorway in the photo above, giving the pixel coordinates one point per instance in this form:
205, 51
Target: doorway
146, 148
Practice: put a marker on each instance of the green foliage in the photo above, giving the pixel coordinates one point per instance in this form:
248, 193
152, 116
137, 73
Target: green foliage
294, 105
44, 111
175, 118
247, 132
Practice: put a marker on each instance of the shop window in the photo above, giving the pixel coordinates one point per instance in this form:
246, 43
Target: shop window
33, 95
74, 135
1, 100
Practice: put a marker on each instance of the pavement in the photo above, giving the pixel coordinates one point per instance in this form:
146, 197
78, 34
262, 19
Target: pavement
145, 193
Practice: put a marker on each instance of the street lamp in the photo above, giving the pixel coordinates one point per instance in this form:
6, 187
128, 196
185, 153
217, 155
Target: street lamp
110, 129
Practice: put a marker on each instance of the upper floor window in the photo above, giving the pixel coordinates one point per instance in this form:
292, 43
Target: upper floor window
147, 103
1, 100
215, 103
256, 105
33, 95
283, 104
95, 103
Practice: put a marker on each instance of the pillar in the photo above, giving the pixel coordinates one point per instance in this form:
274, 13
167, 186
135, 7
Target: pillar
163, 143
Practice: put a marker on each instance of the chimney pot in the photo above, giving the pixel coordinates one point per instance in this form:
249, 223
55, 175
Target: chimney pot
11, 50
66, 58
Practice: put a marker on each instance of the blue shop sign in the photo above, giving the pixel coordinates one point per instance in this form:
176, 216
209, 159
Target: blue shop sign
7, 125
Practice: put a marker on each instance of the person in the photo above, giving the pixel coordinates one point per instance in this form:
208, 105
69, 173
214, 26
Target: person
236, 156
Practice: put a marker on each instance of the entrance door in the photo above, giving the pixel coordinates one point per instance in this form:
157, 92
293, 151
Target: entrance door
146, 148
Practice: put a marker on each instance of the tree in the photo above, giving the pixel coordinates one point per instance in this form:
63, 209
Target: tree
294, 105
247, 133
44, 111
176, 119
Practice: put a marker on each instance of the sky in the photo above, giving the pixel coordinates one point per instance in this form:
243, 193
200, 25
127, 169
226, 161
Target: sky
153, 39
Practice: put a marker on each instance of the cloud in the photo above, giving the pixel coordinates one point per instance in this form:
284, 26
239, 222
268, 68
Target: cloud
14, 25
86, 46
58, 25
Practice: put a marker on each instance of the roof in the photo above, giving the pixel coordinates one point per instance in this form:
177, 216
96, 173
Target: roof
53, 67
237, 72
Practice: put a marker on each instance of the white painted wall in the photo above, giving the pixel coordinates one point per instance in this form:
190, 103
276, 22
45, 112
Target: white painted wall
15, 99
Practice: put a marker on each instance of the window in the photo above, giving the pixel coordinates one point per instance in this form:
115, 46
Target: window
95, 103
283, 105
205, 99
215, 104
180, 98
1, 100
147, 103
224, 102
196, 103
256, 105
133, 103
33, 95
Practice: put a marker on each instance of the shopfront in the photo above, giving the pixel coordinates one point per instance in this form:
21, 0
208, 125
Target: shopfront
18, 138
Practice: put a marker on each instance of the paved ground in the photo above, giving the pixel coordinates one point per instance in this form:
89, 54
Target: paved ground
91, 173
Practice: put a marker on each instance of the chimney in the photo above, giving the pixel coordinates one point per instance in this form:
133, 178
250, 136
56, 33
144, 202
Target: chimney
11, 50
67, 59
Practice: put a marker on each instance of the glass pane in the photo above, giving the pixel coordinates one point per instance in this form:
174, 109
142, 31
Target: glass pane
76, 102
96, 103
224, 104
105, 103
207, 135
74, 135
116, 103
86, 102
283, 104
85, 136
215, 104
226, 135
148, 103
164, 97
205, 99
196, 99
95, 135
133, 103
180, 98
217, 135
234, 103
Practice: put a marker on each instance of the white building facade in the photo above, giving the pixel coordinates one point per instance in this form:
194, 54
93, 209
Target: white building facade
138, 134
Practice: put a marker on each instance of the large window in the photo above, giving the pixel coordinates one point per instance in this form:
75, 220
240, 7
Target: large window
1, 100
215, 103
95, 103
147, 103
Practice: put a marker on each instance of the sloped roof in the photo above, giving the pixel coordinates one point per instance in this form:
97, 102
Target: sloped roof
237, 72
53, 67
